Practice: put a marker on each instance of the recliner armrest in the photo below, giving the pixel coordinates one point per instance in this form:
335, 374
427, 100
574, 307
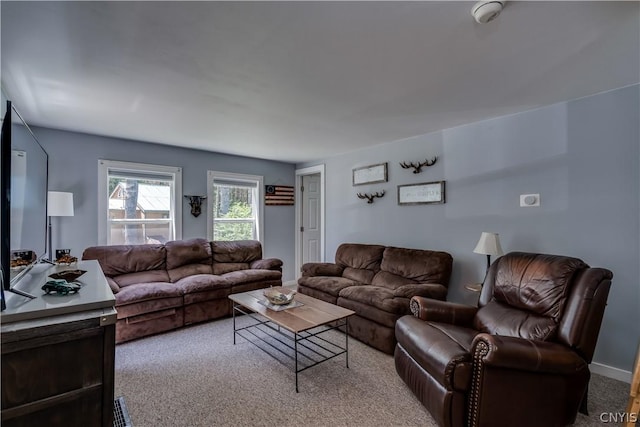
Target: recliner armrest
442, 311
526, 355
267, 264
321, 269
427, 290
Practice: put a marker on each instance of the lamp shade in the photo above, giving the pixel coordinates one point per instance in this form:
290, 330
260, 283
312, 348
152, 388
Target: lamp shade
59, 203
489, 244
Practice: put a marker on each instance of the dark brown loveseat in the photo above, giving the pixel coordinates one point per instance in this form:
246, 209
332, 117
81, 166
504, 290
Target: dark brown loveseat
377, 282
163, 287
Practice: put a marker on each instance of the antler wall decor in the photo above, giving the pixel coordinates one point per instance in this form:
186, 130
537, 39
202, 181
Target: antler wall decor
370, 197
417, 168
196, 204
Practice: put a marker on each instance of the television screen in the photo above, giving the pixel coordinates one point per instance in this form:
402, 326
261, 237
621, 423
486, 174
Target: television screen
24, 197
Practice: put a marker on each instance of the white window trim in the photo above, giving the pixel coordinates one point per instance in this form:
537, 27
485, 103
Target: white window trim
241, 177
103, 188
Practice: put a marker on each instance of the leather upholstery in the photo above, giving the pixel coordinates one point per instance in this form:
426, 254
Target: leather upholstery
377, 282
519, 358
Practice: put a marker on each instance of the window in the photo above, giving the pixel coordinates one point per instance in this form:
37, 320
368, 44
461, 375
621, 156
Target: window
138, 203
235, 206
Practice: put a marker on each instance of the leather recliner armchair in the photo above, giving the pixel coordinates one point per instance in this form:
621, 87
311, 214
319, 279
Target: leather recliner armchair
520, 358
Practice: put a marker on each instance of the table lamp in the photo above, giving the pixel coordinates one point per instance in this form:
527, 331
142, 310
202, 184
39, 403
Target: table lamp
489, 244
58, 204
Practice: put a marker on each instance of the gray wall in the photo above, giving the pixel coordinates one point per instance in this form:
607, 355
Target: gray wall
582, 156
73, 167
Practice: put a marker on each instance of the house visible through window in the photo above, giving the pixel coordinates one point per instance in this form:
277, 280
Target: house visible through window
139, 203
235, 206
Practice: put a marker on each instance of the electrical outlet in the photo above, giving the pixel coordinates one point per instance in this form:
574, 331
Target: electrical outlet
529, 200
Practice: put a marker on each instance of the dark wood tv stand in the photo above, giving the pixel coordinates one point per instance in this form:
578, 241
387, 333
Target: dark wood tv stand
58, 354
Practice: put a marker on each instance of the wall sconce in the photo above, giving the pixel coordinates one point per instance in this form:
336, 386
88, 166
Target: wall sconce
489, 244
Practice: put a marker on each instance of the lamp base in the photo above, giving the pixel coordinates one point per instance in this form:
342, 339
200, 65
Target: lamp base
49, 254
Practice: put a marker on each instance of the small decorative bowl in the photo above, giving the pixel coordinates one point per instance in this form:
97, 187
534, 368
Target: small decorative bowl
68, 275
67, 260
279, 296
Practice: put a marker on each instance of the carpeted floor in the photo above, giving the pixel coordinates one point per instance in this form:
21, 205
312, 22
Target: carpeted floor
195, 376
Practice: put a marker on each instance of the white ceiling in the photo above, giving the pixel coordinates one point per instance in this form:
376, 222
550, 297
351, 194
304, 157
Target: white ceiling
298, 81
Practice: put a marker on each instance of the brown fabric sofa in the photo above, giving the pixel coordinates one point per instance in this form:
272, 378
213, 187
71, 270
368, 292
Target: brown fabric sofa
520, 358
377, 282
163, 287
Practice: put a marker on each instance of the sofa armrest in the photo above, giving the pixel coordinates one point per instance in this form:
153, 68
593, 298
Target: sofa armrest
267, 264
427, 290
321, 269
113, 285
442, 311
526, 355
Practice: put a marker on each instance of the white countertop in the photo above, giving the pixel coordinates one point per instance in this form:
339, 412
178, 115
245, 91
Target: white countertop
94, 294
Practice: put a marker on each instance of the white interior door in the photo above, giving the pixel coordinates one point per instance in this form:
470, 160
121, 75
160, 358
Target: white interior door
311, 229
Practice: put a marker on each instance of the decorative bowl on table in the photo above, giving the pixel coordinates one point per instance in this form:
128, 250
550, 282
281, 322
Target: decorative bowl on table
279, 295
68, 275
19, 264
66, 260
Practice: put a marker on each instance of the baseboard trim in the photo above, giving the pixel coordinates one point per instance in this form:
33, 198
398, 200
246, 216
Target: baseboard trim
611, 372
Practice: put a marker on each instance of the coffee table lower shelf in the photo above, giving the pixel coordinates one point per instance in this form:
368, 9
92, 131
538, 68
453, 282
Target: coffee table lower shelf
298, 351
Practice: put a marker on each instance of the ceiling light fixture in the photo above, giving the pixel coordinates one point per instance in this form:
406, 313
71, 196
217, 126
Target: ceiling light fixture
486, 11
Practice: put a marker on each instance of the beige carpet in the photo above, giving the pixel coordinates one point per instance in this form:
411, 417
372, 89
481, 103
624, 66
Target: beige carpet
195, 376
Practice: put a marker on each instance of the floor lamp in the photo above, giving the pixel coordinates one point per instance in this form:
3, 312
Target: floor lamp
58, 204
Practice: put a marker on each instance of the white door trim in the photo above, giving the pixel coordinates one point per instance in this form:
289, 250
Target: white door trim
299, 174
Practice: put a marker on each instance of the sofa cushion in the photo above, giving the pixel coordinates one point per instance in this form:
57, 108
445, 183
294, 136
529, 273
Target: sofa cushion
239, 251
203, 287
267, 264
149, 309
123, 259
183, 252
358, 275
147, 298
442, 350
369, 313
152, 276
500, 319
247, 276
378, 297
419, 265
188, 257
388, 280
330, 285
227, 267
321, 269
360, 261
147, 291
188, 270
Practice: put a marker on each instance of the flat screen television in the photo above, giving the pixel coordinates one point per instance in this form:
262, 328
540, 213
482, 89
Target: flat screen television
23, 208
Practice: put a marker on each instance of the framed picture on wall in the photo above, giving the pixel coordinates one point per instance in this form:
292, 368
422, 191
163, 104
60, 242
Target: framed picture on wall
370, 174
421, 194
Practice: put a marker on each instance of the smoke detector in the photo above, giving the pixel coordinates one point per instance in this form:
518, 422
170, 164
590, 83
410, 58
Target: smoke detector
486, 11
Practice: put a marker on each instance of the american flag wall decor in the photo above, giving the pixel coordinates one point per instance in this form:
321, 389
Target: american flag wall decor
278, 195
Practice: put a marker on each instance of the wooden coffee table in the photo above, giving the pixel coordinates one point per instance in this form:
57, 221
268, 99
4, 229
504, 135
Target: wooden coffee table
296, 336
